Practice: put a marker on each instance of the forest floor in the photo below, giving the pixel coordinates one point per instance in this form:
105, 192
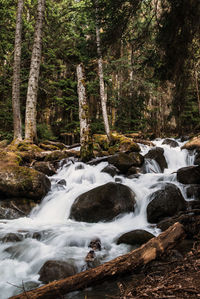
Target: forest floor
173, 276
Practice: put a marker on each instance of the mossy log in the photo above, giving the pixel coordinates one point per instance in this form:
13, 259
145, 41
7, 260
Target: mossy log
119, 266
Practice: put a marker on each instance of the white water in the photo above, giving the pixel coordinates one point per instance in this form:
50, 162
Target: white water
67, 240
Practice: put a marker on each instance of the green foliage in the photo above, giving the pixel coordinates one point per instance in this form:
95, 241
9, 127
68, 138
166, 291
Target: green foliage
44, 132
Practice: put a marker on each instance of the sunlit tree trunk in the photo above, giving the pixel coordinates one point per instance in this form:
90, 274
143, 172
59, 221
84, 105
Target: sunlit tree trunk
16, 74
101, 79
85, 133
31, 101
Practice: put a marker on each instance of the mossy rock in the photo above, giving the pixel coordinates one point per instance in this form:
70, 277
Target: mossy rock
48, 147
56, 156
125, 144
17, 181
193, 144
102, 140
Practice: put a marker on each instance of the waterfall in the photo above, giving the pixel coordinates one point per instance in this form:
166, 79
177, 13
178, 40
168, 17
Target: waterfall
64, 239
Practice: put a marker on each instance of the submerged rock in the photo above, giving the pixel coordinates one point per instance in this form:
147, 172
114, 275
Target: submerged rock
103, 203
157, 154
135, 237
11, 237
55, 270
170, 142
189, 175
165, 203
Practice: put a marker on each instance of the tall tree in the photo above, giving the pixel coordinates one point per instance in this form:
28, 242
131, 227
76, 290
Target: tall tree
16, 74
31, 101
100, 72
85, 135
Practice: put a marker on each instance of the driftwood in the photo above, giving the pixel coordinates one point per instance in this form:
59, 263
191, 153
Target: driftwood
120, 265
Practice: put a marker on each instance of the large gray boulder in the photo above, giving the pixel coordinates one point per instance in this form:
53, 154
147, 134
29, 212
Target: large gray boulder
103, 203
157, 154
171, 142
189, 175
55, 270
165, 203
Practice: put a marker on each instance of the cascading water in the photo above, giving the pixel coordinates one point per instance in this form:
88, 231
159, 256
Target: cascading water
67, 240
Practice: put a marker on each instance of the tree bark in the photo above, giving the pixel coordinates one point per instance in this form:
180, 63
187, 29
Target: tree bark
31, 101
16, 74
85, 132
119, 266
101, 79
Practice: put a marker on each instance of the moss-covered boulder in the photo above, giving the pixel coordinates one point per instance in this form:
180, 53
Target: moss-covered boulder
18, 181
192, 144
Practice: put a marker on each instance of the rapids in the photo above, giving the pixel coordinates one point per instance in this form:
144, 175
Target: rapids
67, 240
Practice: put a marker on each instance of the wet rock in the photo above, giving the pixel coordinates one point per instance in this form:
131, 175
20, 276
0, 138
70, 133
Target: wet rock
55, 270
135, 237
184, 138
193, 191
79, 166
103, 203
44, 167
157, 154
122, 161
137, 159
118, 180
12, 237
95, 244
189, 175
62, 182
7, 213
17, 181
91, 260
170, 142
30, 285
133, 176
197, 159
164, 203
194, 204
111, 169
133, 170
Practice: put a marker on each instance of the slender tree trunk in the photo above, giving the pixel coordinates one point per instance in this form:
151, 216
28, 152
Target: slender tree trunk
101, 79
197, 88
85, 134
16, 74
31, 101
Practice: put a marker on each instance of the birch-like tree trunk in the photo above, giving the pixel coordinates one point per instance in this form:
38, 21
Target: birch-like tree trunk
16, 74
100, 72
31, 101
85, 134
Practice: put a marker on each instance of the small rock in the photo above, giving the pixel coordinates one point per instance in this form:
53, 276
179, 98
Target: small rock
11, 237
62, 182
111, 169
135, 237
95, 244
55, 270
170, 142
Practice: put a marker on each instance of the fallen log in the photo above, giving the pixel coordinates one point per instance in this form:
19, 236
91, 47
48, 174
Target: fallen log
120, 265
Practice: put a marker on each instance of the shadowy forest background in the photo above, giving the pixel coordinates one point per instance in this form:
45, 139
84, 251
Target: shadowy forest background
151, 59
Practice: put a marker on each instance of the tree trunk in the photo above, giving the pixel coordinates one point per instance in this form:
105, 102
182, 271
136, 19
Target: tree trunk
31, 101
85, 134
101, 79
119, 266
16, 74
197, 88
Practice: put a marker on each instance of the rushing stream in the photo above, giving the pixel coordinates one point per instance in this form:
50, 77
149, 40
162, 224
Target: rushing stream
67, 240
